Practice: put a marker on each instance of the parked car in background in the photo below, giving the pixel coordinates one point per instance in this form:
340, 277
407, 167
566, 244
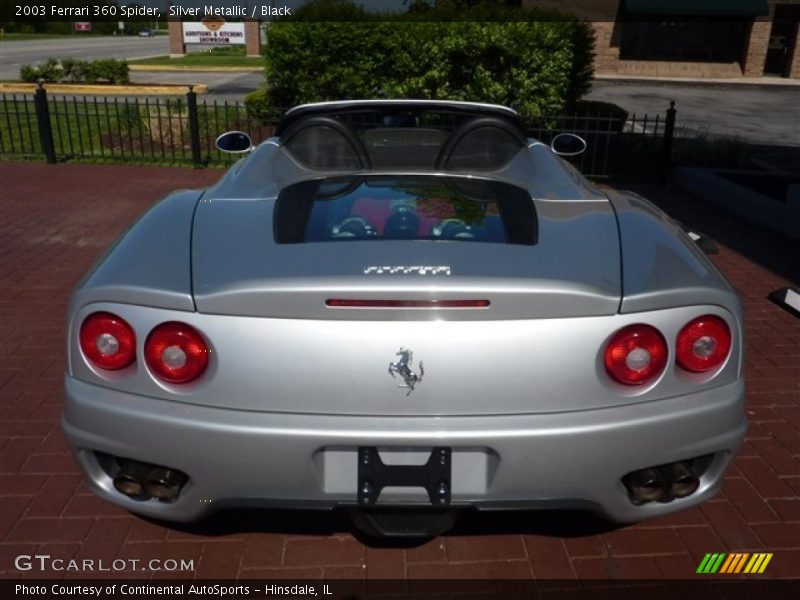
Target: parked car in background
147, 32
407, 309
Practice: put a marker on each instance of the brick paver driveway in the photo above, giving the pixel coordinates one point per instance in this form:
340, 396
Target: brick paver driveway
57, 220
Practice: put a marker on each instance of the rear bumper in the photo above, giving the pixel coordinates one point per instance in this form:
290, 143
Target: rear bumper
561, 460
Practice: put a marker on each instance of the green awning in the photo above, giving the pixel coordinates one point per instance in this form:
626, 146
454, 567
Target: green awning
719, 8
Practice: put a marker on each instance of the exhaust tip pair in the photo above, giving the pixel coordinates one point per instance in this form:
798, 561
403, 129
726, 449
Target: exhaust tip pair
661, 484
141, 480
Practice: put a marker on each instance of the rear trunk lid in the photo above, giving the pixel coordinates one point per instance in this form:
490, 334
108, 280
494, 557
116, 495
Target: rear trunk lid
280, 346
528, 259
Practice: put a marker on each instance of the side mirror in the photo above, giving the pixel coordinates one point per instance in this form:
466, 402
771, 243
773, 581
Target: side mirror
234, 142
568, 144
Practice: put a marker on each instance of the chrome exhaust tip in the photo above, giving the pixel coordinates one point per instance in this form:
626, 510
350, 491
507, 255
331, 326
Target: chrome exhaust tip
165, 484
131, 477
646, 485
681, 479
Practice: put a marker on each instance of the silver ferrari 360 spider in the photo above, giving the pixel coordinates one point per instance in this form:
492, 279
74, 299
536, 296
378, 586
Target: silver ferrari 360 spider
407, 309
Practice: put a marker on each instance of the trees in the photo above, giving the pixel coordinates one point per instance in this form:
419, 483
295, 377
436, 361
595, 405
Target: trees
535, 61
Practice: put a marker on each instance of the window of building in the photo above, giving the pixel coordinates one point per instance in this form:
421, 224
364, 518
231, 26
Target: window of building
675, 39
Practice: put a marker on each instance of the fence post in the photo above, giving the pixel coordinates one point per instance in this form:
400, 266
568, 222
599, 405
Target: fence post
43, 123
666, 144
194, 128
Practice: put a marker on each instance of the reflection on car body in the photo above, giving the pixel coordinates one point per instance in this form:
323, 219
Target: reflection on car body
559, 345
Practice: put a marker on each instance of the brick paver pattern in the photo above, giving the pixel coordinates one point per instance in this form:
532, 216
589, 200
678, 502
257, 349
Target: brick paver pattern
55, 221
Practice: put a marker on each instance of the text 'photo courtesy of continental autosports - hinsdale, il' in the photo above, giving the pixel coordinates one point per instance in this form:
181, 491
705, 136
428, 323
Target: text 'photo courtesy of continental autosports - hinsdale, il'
405, 309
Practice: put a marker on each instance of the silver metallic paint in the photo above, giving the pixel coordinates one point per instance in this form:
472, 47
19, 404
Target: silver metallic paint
661, 265
573, 270
336, 367
559, 460
518, 390
149, 263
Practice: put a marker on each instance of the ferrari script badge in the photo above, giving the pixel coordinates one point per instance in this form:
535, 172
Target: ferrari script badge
403, 368
406, 270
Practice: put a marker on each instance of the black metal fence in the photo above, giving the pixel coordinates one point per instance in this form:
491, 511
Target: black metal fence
616, 147
182, 130
176, 130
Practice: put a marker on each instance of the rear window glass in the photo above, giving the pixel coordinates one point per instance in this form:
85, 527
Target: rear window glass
432, 208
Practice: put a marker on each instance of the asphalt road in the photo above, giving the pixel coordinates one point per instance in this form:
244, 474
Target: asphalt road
15, 54
222, 86
762, 114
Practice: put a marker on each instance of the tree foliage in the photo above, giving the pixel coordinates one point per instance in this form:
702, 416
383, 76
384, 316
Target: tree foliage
538, 62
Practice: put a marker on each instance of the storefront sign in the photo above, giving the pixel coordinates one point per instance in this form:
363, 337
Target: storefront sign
213, 31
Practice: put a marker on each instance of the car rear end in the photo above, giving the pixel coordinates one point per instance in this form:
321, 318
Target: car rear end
391, 342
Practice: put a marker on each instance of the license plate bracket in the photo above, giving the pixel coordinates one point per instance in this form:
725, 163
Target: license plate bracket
374, 475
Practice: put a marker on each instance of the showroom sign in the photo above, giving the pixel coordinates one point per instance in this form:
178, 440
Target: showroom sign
213, 31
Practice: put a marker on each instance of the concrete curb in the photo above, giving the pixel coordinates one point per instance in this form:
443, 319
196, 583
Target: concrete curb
176, 69
764, 82
105, 90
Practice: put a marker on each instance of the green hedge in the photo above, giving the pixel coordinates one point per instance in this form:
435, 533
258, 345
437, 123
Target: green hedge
72, 70
538, 62
259, 107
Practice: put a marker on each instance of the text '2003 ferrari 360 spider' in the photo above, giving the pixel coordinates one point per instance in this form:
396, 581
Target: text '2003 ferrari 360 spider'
407, 309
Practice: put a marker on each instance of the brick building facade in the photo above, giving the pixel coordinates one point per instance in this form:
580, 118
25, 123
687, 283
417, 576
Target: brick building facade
704, 38
665, 38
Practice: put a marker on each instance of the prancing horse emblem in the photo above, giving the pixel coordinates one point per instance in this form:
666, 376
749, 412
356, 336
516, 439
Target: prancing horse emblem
403, 368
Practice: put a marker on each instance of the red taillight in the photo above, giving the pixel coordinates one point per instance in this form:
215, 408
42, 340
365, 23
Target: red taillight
636, 354
176, 352
108, 341
703, 344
